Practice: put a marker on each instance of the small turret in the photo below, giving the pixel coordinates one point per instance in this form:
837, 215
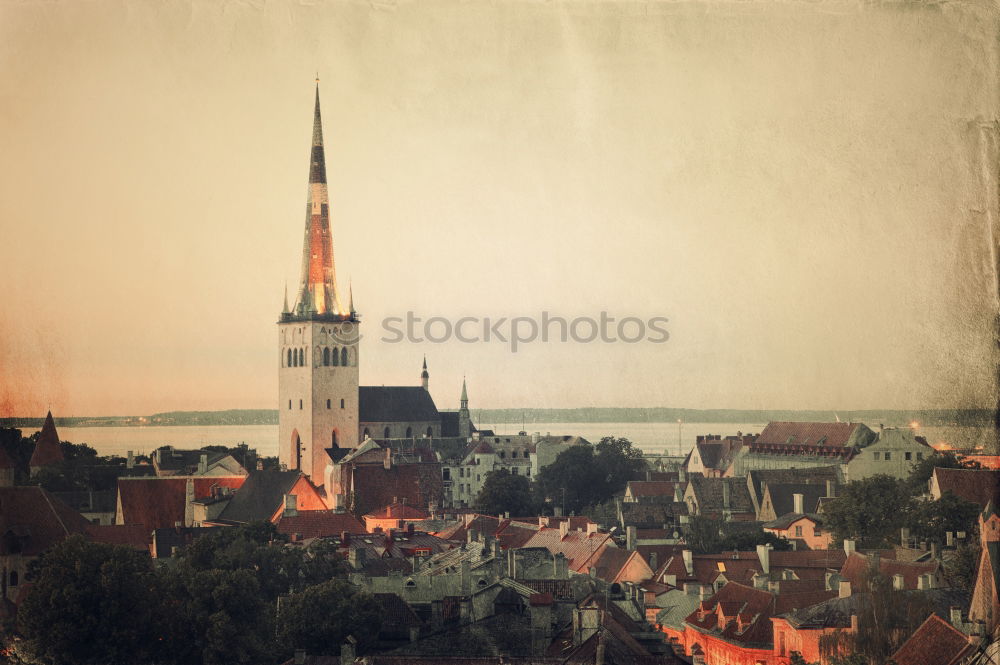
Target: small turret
425, 377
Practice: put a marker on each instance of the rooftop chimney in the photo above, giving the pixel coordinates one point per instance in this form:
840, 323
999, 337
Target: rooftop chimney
130, 460
688, 557
904, 537
631, 536
798, 503
203, 464
725, 494
831, 488
848, 546
387, 461
949, 539
955, 615
764, 554
844, 591
563, 528
290, 507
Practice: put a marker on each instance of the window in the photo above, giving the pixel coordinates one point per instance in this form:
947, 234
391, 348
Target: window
920, 455
342, 406
446, 473
328, 404
289, 405
326, 357
527, 471
513, 470
430, 431
300, 405
878, 456
888, 456
343, 356
798, 531
289, 364
909, 456
333, 357
502, 454
409, 432
513, 454
385, 433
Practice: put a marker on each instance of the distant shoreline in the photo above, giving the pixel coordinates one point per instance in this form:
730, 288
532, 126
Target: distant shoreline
512, 417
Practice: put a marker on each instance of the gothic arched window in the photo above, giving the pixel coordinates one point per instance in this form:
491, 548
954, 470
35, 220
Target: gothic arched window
430, 431
343, 356
334, 357
326, 357
289, 358
385, 433
342, 403
409, 432
328, 404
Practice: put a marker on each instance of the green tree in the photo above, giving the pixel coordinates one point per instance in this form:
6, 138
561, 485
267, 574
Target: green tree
620, 462
586, 475
504, 492
870, 511
922, 470
573, 480
708, 536
930, 520
320, 618
90, 603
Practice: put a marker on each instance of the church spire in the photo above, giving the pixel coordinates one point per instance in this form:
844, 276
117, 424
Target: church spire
425, 376
465, 395
318, 288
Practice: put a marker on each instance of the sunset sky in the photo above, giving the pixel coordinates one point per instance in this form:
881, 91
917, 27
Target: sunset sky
802, 189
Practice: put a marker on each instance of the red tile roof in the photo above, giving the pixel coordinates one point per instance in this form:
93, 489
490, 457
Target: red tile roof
36, 520
47, 448
580, 548
831, 434
318, 524
375, 486
980, 486
158, 503
857, 565
936, 642
399, 511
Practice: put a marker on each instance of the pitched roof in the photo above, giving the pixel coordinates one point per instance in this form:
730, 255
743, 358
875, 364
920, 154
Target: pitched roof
395, 612
788, 519
185, 461
376, 486
47, 448
639, 488
782, 496
579, 547
710, 494
318, 524
32, 520
980, 486
741, 614
857, 565
159, 502
401, 511
827, 434
388, 404
259, 497
710, 452
935, 642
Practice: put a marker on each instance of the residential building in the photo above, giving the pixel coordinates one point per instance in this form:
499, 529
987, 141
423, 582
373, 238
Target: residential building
894, 453
726, 499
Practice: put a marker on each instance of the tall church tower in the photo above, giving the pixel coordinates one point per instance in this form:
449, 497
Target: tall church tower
317, 343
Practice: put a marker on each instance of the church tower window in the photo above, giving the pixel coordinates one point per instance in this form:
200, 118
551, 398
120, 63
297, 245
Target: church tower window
333, 357
326, 361
343, 356
342, 403
409, 432
328, 404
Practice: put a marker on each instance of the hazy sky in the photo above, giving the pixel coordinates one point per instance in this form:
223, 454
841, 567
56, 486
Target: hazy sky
799, 187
